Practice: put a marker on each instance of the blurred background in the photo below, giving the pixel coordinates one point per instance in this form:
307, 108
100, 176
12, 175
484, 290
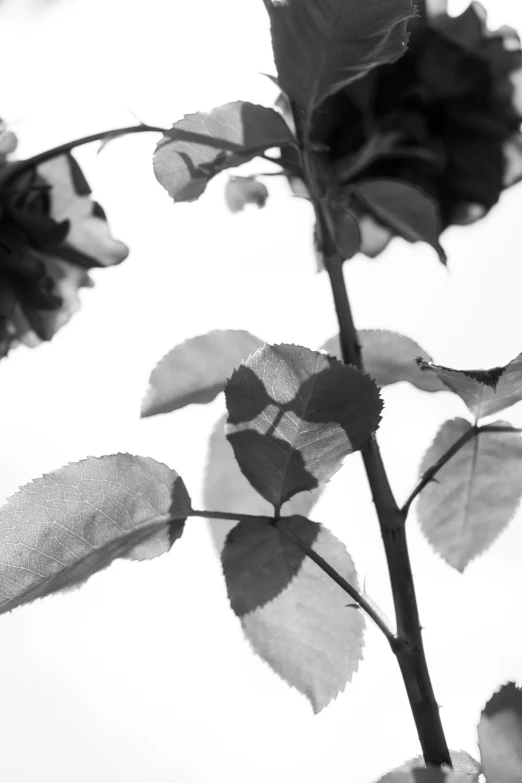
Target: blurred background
143, 673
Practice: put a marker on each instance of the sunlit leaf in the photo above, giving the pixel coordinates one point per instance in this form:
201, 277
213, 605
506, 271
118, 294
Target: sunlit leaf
484, 391
294, 414
475, 494
241, 191
196, 371
321, 46
389, 358
500, 736
201, 145
465, 770
60, 529
406, 209
226, 489
295, 616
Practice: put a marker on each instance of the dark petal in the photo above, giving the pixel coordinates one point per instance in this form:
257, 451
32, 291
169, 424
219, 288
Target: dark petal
7, 298
475, 168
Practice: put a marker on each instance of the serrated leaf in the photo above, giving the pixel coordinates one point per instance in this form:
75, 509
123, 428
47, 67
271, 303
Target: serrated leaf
320, 46
241, 191
476, 492
410, 212
295, 616
201, 145
389, 358
60, 529
293, 415
500, 736
465, 770
226, 489
485, 392
196, 371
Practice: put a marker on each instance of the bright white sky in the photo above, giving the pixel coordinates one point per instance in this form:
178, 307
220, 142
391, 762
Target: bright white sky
143, 674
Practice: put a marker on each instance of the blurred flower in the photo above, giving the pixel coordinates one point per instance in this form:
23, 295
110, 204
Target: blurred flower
51, 233
445, 119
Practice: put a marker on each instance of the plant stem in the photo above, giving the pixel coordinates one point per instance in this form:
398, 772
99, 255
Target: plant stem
410, 656
364, 604
392, 638
430, 473
19, 167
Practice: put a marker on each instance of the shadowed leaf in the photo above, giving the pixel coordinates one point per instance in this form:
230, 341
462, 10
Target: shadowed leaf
484, 391
500, 736
60, 529
320, 46
201, 145
476, 493
293, 415
407, 210
292, 613
226, 489
196, 371
240, 191
389, 358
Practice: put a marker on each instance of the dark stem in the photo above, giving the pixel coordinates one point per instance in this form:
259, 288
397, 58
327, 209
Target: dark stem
20, 167
364, 604
410, 656
392, 638
430, 472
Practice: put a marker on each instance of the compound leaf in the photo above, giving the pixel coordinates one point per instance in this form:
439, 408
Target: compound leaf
295, 616
294, 414
201, 145
60, 529
196, 371
476, 493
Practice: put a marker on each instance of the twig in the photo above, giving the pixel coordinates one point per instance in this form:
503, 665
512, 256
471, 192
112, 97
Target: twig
430, 473
392, 638
19, 167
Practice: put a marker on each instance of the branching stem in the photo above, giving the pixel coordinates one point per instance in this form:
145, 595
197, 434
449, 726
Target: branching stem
25, 165
364, 604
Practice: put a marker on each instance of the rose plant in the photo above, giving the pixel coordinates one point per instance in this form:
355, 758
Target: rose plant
392, 123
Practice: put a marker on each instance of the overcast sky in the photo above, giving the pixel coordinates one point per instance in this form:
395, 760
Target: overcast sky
143, 674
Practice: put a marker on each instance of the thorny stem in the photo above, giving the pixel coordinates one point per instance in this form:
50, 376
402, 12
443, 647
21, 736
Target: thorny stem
410, 653
392, 638
24, 165
411, 657
363, 602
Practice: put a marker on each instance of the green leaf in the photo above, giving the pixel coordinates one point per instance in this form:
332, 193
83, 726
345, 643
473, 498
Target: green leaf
320, 46
411, 213
500, 736
293, 415
346, 231
475, 494
196, 371
201, 145
60, 529
389, 358
226, 489
240, 191
295, 616
465, 770
484, 391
